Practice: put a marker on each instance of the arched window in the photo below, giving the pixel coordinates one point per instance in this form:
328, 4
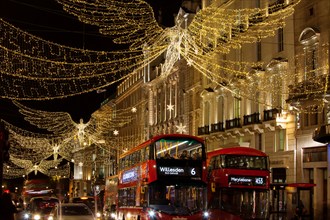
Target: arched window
309, 38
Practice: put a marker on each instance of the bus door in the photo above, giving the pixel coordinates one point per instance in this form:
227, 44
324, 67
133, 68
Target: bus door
278, 205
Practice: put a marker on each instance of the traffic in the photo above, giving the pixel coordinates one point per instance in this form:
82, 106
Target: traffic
168, 177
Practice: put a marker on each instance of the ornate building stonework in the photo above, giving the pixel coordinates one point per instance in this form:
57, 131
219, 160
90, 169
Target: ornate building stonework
186, 101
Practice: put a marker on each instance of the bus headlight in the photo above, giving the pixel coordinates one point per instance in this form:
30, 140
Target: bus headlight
37, 217
206, 215
113, 215
151, 213
26, 216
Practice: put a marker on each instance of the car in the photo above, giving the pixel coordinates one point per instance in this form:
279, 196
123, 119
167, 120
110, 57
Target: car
39, 208
90, 201
71, 211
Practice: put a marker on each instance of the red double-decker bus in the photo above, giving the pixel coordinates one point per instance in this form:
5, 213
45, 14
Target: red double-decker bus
164, 178
238, 184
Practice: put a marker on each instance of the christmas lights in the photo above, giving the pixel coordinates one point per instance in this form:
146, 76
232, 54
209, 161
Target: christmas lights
33, 68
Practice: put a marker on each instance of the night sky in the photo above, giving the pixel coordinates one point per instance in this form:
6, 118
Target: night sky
47, 19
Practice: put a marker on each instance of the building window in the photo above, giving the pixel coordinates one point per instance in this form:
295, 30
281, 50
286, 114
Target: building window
311, 117
311, 11
280, 39
207, 115
221, 109
258, 141
309, 39
280, 140
258, 51
237, 107
258, 4
315, 154
256, 103
279, 175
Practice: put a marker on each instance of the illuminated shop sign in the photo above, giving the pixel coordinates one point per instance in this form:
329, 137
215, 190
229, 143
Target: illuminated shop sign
247, 180
130, 175
178, 171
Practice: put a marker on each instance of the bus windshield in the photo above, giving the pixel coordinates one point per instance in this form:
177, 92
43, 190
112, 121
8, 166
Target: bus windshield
178, 199
178, 148
242, 162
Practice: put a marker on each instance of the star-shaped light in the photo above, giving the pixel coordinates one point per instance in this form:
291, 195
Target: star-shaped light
116, 132
134, 109
170, 107
181, 128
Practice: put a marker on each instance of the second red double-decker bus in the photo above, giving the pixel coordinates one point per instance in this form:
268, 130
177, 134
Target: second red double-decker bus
164, 178
238, 184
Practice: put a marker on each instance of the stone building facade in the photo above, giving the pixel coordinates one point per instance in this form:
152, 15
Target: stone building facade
280, 124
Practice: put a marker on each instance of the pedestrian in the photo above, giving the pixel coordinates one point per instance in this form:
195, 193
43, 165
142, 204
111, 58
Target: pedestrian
300, 210
7, 207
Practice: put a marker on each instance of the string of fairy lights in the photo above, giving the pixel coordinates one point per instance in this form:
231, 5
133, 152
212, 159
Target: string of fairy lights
37, 69
32, 68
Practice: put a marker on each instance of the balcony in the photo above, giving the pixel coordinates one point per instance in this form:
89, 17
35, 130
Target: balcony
308, 92
251, 119
217, 127
270, 114
233, 123
204, 130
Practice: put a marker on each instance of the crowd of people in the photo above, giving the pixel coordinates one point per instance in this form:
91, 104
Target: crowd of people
183, 155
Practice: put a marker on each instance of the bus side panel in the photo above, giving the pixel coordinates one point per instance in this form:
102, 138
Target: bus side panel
218, 214
152, 174
138, 213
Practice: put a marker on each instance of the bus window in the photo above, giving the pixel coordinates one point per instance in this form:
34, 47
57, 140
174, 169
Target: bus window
131, 197
217, 162
177, 147
133, 159
212, 163
142, 152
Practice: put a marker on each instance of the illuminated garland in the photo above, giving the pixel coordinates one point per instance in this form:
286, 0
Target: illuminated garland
70, 136
131, 22
12, 171
61, 123
33, 68
42, 166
